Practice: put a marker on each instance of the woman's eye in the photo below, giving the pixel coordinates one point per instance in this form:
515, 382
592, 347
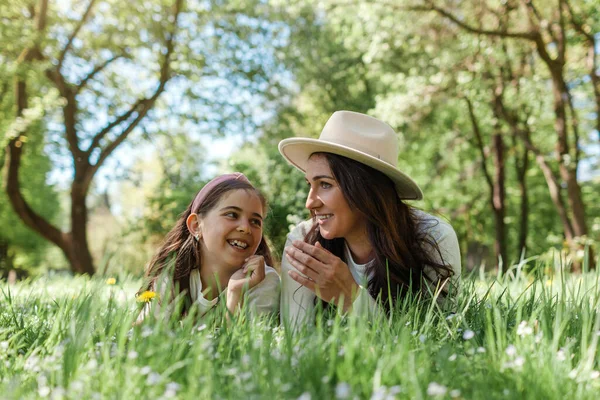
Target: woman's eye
231, 214
325, 185
257, 222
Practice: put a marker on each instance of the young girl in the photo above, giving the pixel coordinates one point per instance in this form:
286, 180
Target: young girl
216, 248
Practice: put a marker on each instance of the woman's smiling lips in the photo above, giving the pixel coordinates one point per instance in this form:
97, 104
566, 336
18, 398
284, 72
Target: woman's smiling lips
322, 218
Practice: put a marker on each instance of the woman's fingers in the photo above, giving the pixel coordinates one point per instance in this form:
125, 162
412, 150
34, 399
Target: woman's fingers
304, 258
317, 252
302, 280
309, 272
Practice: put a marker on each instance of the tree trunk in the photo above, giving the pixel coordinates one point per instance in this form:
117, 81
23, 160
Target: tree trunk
567, 173
5, 262
499, 198
80, 256
524, 215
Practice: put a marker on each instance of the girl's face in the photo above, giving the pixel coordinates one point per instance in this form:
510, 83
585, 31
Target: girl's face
329, 206
232, 230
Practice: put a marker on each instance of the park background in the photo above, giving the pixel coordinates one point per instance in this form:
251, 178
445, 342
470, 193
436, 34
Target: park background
113, 114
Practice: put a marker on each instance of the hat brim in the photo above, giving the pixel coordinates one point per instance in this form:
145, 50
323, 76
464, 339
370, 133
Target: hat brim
298, 150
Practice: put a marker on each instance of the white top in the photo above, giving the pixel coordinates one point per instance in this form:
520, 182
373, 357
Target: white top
260, 299
298, 302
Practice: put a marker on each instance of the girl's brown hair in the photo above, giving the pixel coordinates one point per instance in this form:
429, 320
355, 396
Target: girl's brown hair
402, 248
181, 251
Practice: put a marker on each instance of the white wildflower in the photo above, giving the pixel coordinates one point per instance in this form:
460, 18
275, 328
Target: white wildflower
414, 333
145, 370
519, 361
511, 350
58, 393
435, 389
326, 379
4, 345
132, 355
153, 378
171, 390
76, 386
380, 393
455, 393
245, 376
92, 364
481, 350
560, 355
594, 374
394, 390
506, 392
524, 330
32, 364
201, 327
452, 357
422, 338
468, 335
44, 391
305, 396
147, 331
343, 390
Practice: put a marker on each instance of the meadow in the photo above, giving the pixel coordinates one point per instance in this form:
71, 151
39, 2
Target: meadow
529, 332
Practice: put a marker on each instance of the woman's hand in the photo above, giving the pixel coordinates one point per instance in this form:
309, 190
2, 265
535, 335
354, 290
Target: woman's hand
250, 275
325, 274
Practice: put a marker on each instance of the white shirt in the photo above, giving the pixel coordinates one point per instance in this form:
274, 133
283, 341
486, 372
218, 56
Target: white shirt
298, 302
260, 299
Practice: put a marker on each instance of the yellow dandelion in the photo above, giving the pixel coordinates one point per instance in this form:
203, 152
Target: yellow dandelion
111, 281
549, 282
146, 297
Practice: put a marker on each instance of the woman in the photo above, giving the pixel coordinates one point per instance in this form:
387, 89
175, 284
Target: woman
363, 243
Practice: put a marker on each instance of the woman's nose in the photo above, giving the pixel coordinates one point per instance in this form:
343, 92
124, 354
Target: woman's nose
312, 201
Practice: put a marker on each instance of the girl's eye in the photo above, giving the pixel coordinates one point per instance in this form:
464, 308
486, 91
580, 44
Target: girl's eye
257, 222
231, 214
325, 185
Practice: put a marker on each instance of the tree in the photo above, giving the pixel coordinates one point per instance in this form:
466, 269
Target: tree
110, 64
548, 32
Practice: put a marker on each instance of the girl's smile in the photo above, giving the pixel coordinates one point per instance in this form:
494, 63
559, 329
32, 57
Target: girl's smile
232, 230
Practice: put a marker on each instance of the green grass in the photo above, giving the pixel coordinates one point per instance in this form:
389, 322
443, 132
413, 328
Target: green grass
513, 335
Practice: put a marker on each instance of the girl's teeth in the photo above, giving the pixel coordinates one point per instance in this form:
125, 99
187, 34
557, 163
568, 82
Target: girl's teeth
239, 244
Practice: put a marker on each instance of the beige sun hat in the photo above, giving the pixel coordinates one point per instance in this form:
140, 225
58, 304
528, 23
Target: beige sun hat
361, 138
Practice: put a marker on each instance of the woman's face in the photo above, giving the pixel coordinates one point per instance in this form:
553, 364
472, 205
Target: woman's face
232, 230
327, 203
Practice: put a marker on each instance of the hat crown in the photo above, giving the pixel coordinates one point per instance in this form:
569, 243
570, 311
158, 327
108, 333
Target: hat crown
363, 133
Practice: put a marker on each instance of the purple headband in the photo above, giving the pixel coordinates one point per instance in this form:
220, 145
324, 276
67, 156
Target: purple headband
236, 176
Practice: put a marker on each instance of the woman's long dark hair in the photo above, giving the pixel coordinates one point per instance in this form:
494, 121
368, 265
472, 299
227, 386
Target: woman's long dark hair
181, 252
402, 249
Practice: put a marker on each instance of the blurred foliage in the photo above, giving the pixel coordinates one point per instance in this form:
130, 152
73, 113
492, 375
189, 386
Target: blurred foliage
20, 248
414, 70
276, 69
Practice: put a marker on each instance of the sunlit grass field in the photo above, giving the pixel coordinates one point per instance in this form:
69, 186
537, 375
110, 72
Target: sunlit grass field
511, 335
